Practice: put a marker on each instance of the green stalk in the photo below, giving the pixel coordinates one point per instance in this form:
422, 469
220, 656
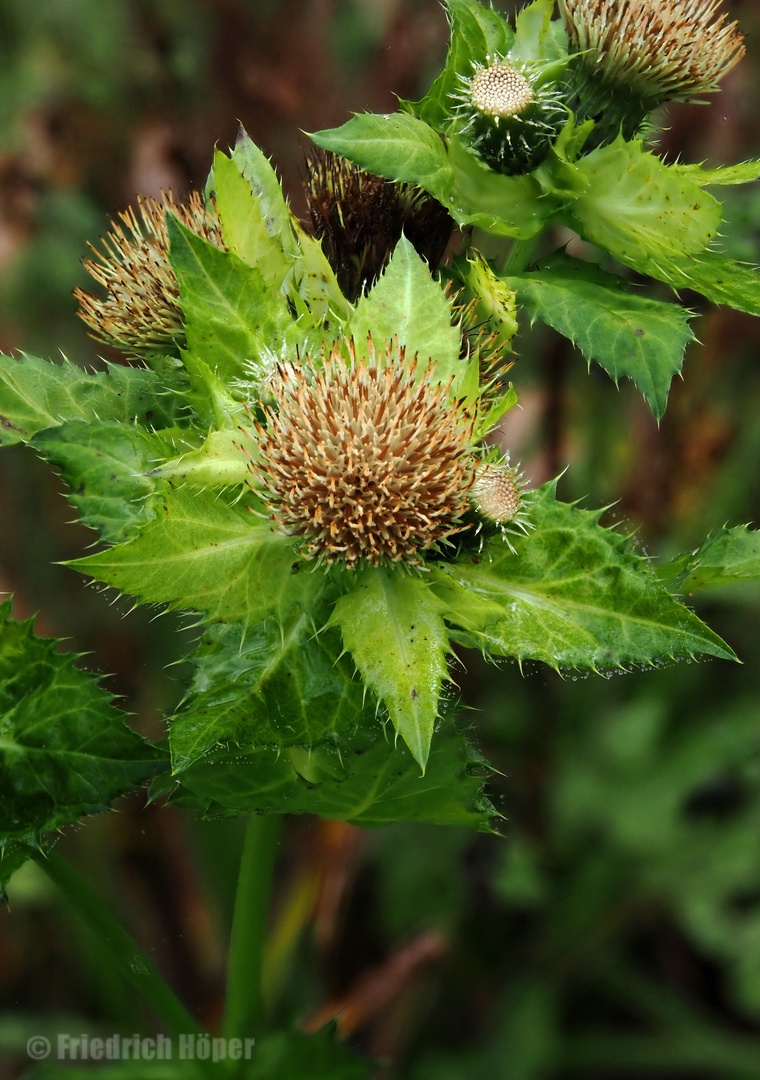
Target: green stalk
126, 954
244, 1012
520, 255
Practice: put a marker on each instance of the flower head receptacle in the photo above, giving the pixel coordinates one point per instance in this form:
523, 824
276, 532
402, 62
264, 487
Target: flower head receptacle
359, 217
366, 459
635, 55
509, 113
141, 311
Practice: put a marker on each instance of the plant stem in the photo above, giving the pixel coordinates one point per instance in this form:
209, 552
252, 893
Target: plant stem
520, 255
244, 1012
129, 958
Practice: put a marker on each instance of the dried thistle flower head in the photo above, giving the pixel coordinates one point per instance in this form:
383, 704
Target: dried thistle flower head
359, 217
367, 460
141, 311
651, 51
510, 112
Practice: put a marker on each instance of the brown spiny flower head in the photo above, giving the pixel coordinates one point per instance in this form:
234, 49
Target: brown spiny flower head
366, 459
141, 310
359, 217
651, 50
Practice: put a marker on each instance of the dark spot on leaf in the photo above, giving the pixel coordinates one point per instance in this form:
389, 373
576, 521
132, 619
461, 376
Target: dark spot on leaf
413, 693
476, 560
638, 331
295, 567
5, 422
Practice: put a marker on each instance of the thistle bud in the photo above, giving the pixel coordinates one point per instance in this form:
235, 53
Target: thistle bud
140, 311
634, 55
509, 113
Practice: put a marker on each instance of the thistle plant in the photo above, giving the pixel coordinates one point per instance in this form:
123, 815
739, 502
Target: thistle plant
307, 460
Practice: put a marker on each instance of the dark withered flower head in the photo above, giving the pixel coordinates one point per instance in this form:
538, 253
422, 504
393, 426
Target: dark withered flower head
366, 459
656, 50
141, 310
359, 217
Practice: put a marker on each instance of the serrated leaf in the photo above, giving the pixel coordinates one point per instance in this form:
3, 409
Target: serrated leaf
315, 280
203, 555
724, 558
575, 595
365, 777
627, 334
477, 32
638, 208
104, 465
233, 317
531, 30
37, 394
65, 750
391, 625
257, 170
743, 173
502, 205
406, 303
715, 276
221, 460
396, 146
283, 686
244, 224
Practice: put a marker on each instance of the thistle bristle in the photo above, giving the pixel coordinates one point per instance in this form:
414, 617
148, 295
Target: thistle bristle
141, 309
366, 460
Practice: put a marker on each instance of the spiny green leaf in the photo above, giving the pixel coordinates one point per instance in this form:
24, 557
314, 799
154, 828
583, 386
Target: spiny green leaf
244, 224
396, 146
203, 555
724, 557
37, 394
625, 333
220, 461
65, 750
391, 625
502, 205
638, 208
574, 595
283, 686
743, 173
406, 303
477, 32
532, 29
257, 170
364, 777
233, 317
715, 276
105, 466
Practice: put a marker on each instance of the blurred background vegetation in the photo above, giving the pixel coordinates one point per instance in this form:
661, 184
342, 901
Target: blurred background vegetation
614, 930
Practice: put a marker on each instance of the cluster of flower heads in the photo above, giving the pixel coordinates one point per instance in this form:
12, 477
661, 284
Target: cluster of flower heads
627, 58
141, 310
